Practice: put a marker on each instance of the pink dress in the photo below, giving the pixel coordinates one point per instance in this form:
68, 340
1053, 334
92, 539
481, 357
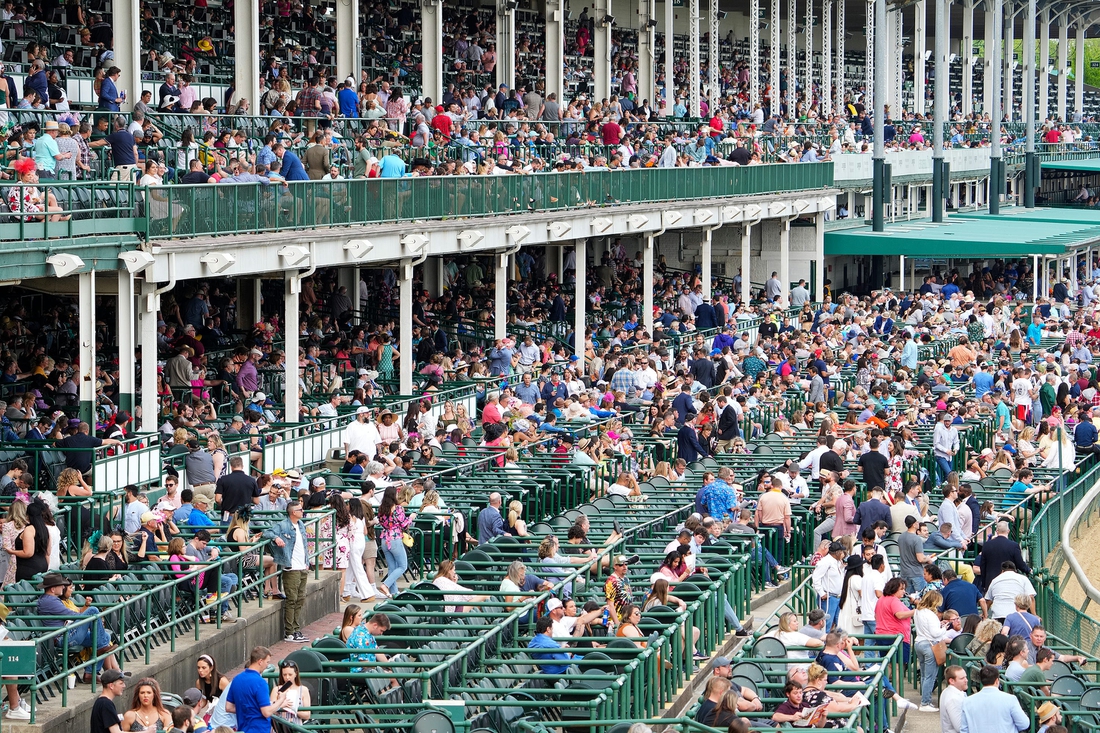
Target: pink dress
343, 545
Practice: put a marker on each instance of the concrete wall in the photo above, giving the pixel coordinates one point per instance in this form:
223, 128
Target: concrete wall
909, 163
229, 646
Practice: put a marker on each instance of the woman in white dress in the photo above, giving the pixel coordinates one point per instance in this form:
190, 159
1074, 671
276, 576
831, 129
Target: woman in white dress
356, 579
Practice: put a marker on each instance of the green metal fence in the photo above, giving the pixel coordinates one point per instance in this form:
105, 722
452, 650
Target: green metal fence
190, 211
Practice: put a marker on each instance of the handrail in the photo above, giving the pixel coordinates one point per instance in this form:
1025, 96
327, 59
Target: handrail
1085, 505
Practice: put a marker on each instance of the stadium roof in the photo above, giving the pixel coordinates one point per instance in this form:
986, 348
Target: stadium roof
1088, 165
973, 236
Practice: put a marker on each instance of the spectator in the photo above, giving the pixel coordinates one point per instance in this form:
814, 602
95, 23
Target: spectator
56, 601
990, 710
542, 640
952, 698
490, 523
1004, 590
105, 717
248, 697
291, 555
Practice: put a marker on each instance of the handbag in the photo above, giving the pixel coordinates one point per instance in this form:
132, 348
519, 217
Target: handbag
407, 539
939, 651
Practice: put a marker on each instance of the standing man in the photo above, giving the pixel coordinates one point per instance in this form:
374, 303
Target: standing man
105, 717
688, 446
289, 551
249, 698
200, 470
945, 444
952, 699
828, 581
911, 557
727, 424
995, 553
235, 489
362, 435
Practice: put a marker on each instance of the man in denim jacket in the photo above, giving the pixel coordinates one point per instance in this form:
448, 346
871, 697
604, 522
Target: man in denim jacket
291, 553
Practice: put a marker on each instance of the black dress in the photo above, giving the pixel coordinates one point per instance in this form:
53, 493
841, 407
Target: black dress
28, 567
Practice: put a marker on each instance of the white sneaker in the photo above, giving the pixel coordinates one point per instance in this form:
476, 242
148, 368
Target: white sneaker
17, 714
24, 705
904, 704
928, 709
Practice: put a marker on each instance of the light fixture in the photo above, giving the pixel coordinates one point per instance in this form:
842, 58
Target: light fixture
608, 20
601, 224
721, 14
218, 262
136, 261
358, 248
65, 264
517, 232
414, 242
512, 4
294, 254
651, 23
951, 58
927, 55
469, 237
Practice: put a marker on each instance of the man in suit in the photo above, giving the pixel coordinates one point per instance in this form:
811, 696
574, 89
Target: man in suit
292, 169
727, 424
489, 522
687, 440
996, 551
705, 317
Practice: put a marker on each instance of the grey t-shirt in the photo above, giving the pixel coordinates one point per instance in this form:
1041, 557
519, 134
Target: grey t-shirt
533, 101
909, 544
551, 111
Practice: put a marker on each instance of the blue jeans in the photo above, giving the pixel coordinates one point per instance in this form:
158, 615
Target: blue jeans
915, 585
831, 607
731, 617
228, 583
761, 555
88, 634
944, 467
928, 670
396, 561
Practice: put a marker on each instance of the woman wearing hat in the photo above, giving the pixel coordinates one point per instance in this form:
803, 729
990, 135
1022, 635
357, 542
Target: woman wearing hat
26, 198
849, 616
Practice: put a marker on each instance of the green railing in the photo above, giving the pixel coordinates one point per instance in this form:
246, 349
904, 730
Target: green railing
93, 208
191, 211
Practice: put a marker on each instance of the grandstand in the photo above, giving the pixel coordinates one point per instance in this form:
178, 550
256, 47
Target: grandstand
606, 349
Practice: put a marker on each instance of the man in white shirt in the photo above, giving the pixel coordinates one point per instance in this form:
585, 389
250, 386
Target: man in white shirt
952, 699
794, 486
874, 581
361, 434
828, 581
1004, 588
812, 460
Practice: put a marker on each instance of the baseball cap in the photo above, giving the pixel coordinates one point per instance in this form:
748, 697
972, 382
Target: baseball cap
836, 547
553, 604
192, 696
110, 676
259, 397
721, 662
362, 410
148, 517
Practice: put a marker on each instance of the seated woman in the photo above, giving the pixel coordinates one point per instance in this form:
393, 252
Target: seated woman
27, 199
814, 695
796, 710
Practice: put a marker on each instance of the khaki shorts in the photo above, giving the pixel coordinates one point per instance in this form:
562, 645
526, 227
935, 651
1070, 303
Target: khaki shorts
206, 491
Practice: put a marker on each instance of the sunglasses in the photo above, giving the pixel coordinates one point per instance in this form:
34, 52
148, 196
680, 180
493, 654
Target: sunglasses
287, 663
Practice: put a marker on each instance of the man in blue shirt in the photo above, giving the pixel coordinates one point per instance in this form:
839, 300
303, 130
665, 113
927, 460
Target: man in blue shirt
348, 99
983, 381
542, 640
1035, 330
718, 499
961, 596
198, 516
249, 698
391, 166
1085, 434
990, 710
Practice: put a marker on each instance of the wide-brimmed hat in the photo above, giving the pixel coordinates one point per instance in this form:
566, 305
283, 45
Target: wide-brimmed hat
52, 580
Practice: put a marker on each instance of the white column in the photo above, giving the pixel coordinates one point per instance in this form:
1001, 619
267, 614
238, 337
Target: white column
901, 273
987, 62
1035, 274
347, 41
1044, 64
148, 312
792, 58
827, 99
126, 22
505, 44
808, 82
899, 72
126, 338
705, 258
1063, 63
746, 262
246, 51
785, 260
647, 282
1008, 75
1079, 73
670, 60
754, 54
920, 42
580, 301
647, 50
601, 43
714, 90
693, 58
555, 51
869, 68
257, 300
841, 25
431, 50
819, 255
500, 297
773, 58
292, 290
86, 358
967, 48
405, 325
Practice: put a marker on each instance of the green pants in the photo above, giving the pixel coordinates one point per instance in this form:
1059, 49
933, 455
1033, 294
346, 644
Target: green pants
294, 585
